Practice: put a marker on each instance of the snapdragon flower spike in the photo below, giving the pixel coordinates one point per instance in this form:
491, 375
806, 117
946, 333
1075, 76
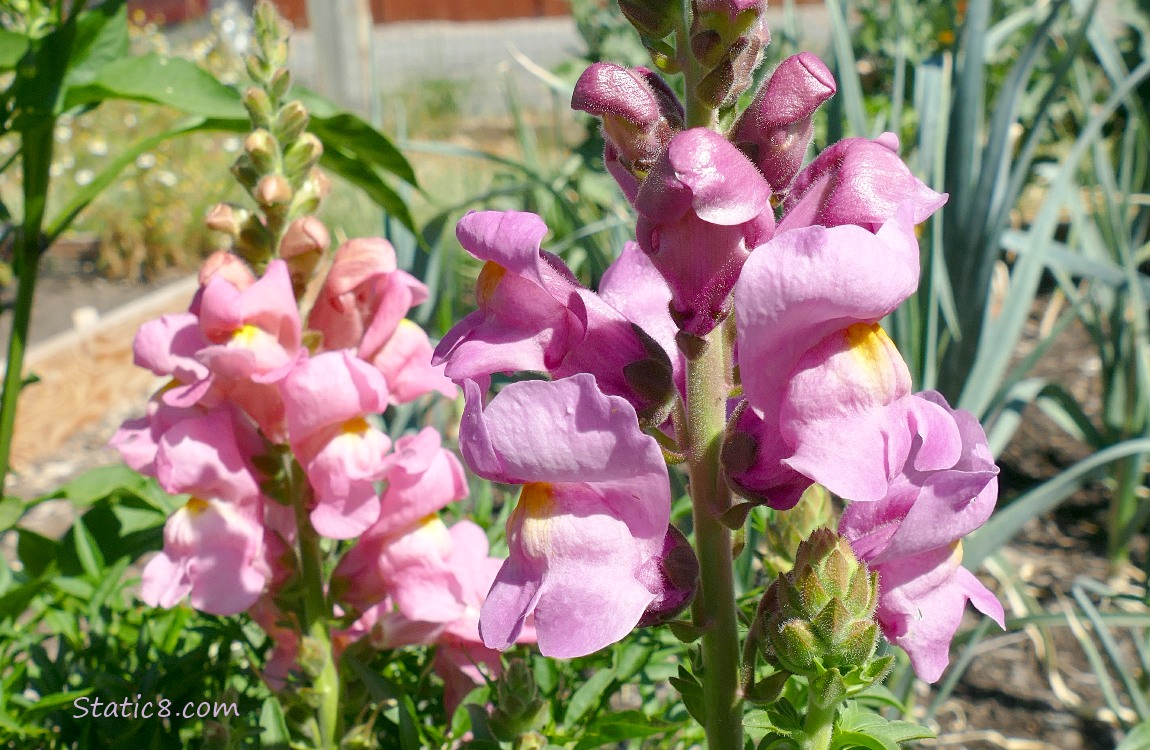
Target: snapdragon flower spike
591, 520
776, 128
328, 398
534, 315
701, 210
254, 332
945, 489
857, 181
362, 305
639, 111
403, 553
212, 552
167, 346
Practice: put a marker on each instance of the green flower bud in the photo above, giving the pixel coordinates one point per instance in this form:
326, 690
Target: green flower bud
301, 156
291, 122
259, 107
654, 19
822, 611
517, 705
787, 529
262, 148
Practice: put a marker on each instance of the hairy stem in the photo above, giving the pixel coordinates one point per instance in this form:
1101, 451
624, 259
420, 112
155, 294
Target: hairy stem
716, 611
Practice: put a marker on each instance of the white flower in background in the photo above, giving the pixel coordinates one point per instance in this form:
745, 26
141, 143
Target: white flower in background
84, 177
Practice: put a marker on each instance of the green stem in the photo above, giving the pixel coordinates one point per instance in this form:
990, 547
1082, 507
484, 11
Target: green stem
36, 154
316, 614
819, 725
710, 497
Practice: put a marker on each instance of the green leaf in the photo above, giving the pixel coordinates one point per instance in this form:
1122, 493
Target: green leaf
13, 47
171, 81
363, 176
1008, 521
13, 603
1137, 738
588, 696
11, 511
356, 137
615, 728
91, 559
98, 484
36, 552
274, 732
53, 702
101, 38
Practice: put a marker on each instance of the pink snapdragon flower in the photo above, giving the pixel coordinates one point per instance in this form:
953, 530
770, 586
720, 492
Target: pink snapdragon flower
702, 209
945, 489
362, 305
212, 552
328, 399
404, 552
588, 532
534, 315
254, 333
810, 355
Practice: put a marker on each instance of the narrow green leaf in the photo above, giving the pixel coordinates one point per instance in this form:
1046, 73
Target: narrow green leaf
1137, 738
53, 702
91, 559
1007, 522
11, 511
364, 177
588, 696
98, 484
274, 732
360, 139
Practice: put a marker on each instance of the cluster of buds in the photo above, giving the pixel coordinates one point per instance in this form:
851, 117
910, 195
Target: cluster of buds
812, 258
271, 423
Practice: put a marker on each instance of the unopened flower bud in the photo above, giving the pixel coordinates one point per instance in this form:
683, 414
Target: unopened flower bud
775, 129
639, 111
258, 70
822, 612
226, 218
255, 242
652, 18
301, 156
273, 190
280, 83
225, 265
675, 576
291, 121
263, 150
245, 171
302, 247
311, 193
517, 706
259, 107
735, 70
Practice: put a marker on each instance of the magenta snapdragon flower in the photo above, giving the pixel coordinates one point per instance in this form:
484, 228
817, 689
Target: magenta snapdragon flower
534, 315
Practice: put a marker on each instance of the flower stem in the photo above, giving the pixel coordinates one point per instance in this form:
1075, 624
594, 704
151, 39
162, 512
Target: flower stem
36, 156
315, 615
819, 725
710, 497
